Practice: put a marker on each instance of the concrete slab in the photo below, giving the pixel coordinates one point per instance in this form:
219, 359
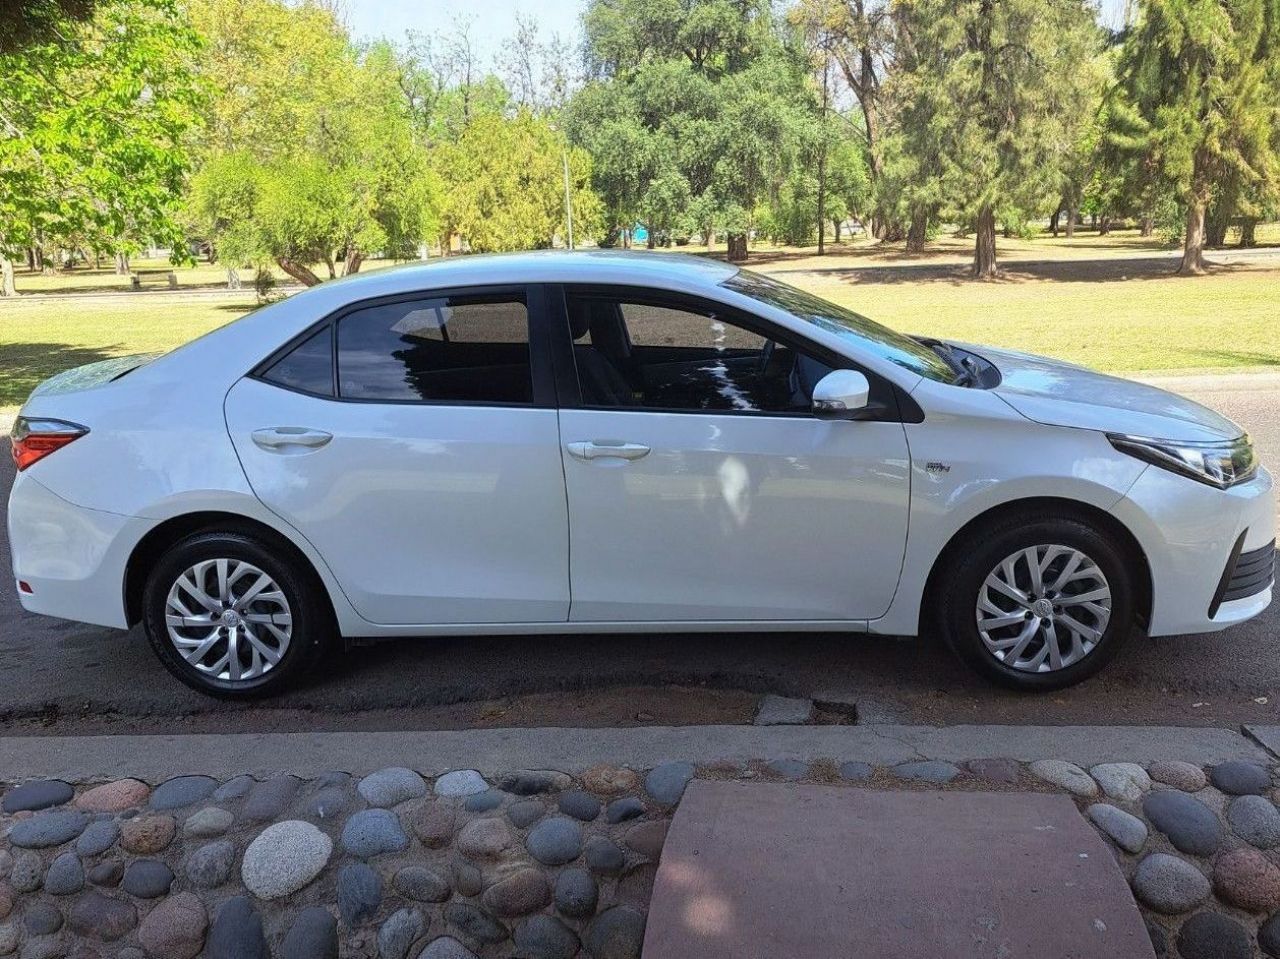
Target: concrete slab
155, 758
819, 872
1268, 736
783, 711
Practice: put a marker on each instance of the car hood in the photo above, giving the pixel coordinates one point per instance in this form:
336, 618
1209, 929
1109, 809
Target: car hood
1063, 394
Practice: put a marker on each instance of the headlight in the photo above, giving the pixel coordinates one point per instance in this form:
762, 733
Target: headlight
1219, 463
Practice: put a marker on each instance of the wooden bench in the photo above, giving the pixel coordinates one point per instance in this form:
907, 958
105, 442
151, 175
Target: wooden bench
138, 277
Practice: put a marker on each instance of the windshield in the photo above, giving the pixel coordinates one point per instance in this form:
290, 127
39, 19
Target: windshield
867, 334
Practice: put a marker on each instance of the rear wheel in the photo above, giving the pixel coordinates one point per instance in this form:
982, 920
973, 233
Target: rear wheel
1038, 603
231, 617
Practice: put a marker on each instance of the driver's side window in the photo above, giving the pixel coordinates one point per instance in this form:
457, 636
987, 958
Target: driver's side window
643, 353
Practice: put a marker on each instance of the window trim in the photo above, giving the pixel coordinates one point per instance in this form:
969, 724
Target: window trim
898, 407
534, 296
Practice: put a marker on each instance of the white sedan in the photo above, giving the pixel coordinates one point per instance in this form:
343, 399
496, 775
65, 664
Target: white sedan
605, 442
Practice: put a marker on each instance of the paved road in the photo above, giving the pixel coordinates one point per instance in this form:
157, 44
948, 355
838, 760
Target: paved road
62, 677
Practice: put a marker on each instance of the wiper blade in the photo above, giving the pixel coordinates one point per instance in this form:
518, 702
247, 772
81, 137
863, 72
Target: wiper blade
966, 373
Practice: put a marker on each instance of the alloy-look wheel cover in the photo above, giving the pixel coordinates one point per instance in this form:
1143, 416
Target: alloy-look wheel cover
1043, 608
228, 619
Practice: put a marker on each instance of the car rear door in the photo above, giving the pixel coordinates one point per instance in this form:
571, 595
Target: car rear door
413, 440
700, 485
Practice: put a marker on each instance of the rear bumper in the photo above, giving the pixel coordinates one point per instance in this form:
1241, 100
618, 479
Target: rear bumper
73, 559
1194, 537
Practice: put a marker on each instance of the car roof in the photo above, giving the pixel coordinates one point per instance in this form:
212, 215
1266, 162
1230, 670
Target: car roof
670, 270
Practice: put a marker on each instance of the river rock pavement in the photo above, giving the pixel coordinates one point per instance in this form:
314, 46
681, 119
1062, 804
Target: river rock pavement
536, 864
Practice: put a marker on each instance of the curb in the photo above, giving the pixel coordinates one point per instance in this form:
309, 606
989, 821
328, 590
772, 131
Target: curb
491, 751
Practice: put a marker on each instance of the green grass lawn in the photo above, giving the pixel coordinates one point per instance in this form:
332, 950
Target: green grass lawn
1107, 302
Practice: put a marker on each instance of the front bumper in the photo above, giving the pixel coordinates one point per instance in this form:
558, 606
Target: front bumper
1190, 532
72, 559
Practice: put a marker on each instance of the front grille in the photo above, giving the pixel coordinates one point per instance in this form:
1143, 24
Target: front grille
1247, 574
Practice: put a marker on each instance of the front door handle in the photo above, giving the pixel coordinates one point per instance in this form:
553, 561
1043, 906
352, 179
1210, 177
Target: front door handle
606, 449
280, 438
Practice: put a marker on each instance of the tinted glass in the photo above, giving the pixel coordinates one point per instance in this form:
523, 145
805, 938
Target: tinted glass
867, 334
308, 367
447, 349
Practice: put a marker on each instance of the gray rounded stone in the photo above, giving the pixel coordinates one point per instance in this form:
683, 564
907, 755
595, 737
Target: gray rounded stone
1255, 820
665, 784
37, 795
97, 837
1125, 830
10, 936
359, 893
233, 789
518, 894
284, 858
1178, 774
1124, 781
147, 879
46, 829
1065, 775
467, 878
532, 782
555, 841
42, 919
236, 932
446, 947
268, 799
787, 768
392, 786
930, 771
617, 933
474, 924
399, 932
210, 865
182, 791
525, 813
373, 832
27, 872
207, 823
580, 805
422, 884
106, 874
328, 802
313, 935
484, 802
102, 917
1269, 937
65, 875
1169, 885
1241, 778
604, 856
460, 782
622, 810
1191, 826
995, 770
1211, 935
545, 937
576, 893
855, 772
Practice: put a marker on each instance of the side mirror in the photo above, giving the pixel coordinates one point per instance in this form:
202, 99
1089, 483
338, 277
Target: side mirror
840, 395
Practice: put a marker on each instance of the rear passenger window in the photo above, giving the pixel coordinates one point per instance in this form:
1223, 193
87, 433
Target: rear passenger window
307, 367
468, 349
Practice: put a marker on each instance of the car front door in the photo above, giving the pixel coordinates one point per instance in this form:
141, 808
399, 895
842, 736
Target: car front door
700, 486
413, 440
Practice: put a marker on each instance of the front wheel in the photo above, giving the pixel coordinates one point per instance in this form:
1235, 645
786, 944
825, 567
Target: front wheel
231, 617
1038, 603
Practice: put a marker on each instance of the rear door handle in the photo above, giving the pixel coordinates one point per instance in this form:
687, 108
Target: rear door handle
604, 449
280, 438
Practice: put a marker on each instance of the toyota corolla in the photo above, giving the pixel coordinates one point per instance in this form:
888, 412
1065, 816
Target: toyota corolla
606, 442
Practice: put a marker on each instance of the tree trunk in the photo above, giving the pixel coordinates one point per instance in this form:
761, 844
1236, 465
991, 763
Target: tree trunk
835, 229
1072, 215
1147, 226
1093, 221
737, 248
31, 258
298, 271
122, 264
1193, 245
1248, 233
1104, 225
1053, 221
984, 249
917, 232
7, 287
354, 259
233, 278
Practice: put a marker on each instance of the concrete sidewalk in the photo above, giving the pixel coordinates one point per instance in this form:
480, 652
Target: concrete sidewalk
155, 758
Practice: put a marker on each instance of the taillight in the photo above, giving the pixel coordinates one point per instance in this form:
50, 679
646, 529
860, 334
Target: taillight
34, 439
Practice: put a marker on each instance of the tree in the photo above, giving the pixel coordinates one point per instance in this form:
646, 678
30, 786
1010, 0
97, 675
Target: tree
1201, 77
987, 107
25, 23
504, 184
93, 132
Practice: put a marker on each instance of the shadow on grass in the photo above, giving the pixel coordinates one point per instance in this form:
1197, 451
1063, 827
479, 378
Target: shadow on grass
1229, 358
1053, 271
23, 366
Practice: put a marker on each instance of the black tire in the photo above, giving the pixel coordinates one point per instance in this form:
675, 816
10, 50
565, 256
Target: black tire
312, 623
986, 549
